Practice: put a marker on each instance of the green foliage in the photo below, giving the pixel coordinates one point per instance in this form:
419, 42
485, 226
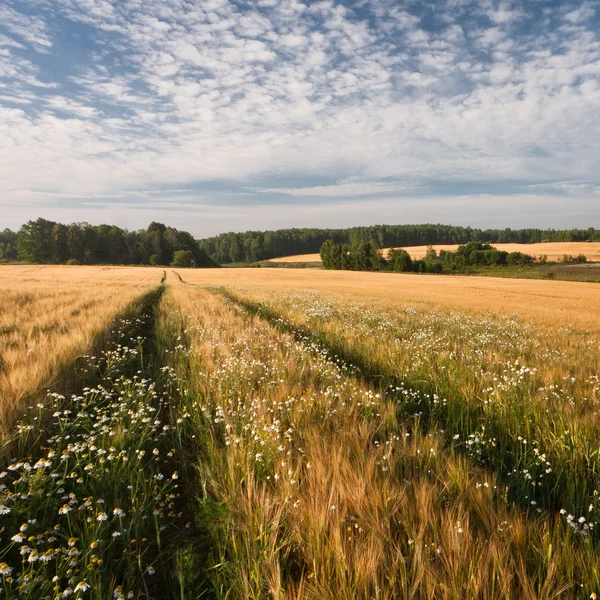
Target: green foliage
331, 255
47, 242
399, 260
8, 246
254, 246
183, 258
35, 242
571, 259
365, 256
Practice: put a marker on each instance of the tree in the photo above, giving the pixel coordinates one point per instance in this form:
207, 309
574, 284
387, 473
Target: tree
34, 242
331, 255
399, 260
364, 256
183, 259
76, 242
60, 248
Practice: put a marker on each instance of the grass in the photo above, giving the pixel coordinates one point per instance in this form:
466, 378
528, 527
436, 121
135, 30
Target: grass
313, 488
533, 393
311, 436
564, 272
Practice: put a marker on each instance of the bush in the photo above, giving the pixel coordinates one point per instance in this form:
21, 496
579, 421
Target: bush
183, 259
399, 260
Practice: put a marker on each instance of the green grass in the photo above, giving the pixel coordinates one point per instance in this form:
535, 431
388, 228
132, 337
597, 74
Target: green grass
92, 501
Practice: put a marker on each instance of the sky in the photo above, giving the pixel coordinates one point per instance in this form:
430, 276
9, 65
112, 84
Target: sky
229, 115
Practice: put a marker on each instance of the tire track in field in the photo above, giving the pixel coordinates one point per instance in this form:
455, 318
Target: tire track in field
416, 404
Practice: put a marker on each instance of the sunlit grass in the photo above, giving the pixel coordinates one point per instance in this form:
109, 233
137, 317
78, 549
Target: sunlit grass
287, 444
312, 487
51, 315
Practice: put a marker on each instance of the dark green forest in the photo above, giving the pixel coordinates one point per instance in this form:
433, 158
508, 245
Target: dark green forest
46, 242
253, 246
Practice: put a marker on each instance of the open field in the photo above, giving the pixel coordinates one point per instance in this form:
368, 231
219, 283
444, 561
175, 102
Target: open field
553, 250
549, 303
49, 315
283, 434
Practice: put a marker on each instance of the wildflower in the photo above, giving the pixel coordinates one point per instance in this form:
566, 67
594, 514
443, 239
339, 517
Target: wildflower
4, 510
18, 538
48, 555
64, 509
150, 570
175, 475
5, 569
33, 556
82, 586
119, 512
102, 517
68, 592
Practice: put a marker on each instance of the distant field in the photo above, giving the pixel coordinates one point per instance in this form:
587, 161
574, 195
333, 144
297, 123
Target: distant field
554, 251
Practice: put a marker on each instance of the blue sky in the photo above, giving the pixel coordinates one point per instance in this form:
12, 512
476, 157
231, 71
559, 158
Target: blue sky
219, 115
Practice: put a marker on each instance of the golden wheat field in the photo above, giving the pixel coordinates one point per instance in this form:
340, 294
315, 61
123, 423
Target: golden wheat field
552, 250
549, 303
48, 315
289, 434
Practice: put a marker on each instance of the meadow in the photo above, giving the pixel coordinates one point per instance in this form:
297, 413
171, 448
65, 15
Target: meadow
250, 433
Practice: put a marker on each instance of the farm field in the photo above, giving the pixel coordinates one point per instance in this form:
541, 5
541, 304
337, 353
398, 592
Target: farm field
553, 250
549, 303
48, 315
262, 433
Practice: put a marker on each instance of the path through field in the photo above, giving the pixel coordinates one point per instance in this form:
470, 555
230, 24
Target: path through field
283, 434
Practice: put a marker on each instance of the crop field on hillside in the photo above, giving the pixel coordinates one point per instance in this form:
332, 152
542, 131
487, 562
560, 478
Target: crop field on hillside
553, 250
250, 433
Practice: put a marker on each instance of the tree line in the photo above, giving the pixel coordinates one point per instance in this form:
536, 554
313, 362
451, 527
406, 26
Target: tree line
47, 242
253, 246
366, 256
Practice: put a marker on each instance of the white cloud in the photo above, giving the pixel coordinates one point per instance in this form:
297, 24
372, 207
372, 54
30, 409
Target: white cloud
182, 92
30, 29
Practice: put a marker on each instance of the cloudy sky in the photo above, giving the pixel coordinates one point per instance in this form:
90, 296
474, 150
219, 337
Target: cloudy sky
218, 115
